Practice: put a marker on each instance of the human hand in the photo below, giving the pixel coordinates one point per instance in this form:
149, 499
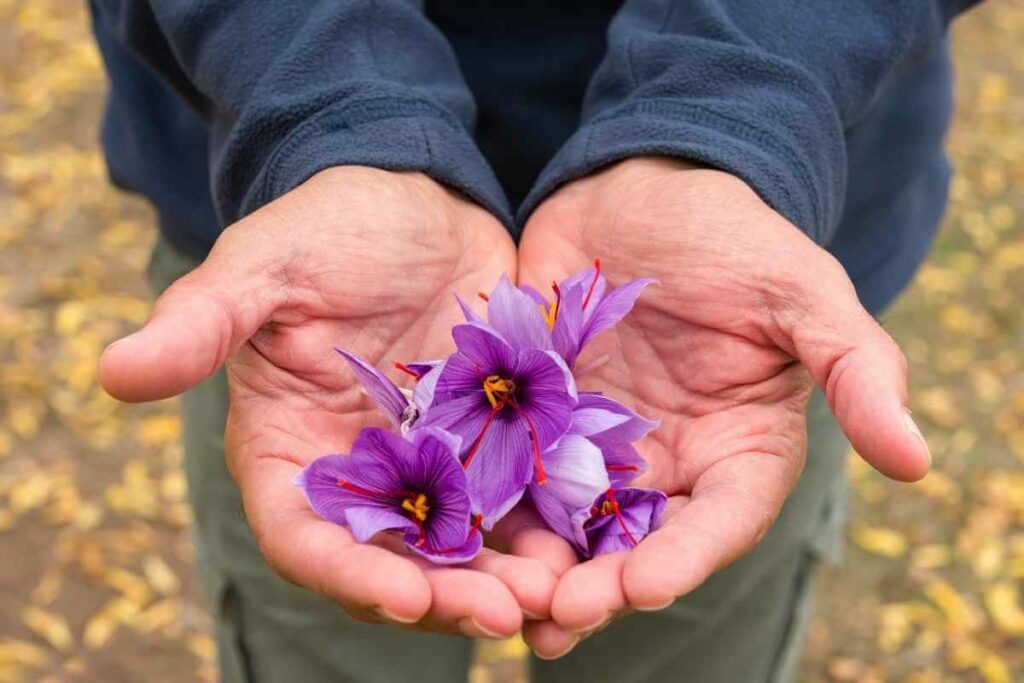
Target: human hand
749, 312
365, 260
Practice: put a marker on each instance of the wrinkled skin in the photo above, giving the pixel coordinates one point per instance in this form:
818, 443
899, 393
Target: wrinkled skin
713, 353
364, 260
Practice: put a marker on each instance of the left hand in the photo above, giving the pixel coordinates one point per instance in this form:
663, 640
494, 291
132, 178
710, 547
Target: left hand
748, 312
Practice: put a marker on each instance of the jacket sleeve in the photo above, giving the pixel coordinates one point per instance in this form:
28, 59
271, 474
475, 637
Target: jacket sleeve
291, 87
763, 89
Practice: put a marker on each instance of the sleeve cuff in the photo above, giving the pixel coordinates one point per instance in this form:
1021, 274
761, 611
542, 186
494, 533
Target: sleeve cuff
394, 134
803, 187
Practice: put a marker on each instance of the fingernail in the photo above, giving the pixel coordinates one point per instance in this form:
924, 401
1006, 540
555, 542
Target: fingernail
469, 627
573, 643
531, 615
656, 608
588, 631
916, 431
385, 614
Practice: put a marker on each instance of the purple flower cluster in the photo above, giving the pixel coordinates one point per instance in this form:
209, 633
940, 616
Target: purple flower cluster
498, 420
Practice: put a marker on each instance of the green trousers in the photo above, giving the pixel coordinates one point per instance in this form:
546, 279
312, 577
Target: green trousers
744, 625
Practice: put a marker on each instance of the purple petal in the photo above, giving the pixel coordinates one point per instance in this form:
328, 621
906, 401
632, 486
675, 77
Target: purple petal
470, 315
500, 468
383, 391
575, 476
607, 421
517, 317
423, 393
453, 555
568, 328
585, 279
365, 521
422, 367
612, 308
547, 395
485, 346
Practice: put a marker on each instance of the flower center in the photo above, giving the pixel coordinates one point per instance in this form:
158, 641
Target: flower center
417, 507
610, 506
498, 390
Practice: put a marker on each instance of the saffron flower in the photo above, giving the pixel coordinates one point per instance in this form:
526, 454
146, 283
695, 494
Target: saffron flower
509, 402
584, 307
618, 519
388, 483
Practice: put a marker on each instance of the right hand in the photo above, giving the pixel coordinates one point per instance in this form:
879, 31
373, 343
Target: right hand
364, 260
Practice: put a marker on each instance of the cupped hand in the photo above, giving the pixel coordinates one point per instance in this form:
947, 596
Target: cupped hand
748, 316
364, 260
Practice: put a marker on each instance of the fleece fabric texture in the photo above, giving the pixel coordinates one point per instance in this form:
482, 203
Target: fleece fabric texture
833, 111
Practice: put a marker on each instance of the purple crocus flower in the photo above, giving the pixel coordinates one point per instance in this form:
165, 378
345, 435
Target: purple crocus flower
388, 483
393, 401
584, 307
618, 519
508, 400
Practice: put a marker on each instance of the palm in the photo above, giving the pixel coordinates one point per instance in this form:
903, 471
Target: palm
356, 259
711, 352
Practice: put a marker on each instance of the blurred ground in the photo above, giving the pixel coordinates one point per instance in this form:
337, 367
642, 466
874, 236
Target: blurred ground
94, 554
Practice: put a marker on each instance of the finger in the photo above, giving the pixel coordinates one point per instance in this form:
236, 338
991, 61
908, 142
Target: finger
200, 320
470, 603
590, 594
548, 640
522, 532
529, 580
733, 504
364, 579
860, 368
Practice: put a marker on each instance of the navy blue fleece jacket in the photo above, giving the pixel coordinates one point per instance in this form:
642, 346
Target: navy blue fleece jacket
833, 110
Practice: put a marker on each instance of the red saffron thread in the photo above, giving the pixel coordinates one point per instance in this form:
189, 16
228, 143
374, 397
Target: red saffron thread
479, 439
407, 370
535, 442
593, 283
622, 468
483, 296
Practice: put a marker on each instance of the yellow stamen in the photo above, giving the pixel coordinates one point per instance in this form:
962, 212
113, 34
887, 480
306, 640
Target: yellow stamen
498, 390
418, 508
549, 313
607, 508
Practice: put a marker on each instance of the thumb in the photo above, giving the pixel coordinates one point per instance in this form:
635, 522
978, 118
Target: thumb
862, 371
195, 325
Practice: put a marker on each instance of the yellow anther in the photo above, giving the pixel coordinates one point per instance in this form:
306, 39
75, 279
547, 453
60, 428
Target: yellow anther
607, 508
549, 313
418, 508
498, 390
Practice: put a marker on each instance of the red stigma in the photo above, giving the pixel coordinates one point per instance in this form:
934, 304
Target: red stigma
475, 447
475, 526
593, 283
610, 495
558, 300
483, 296
407, 370
538, 465
622, 468
367, 493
